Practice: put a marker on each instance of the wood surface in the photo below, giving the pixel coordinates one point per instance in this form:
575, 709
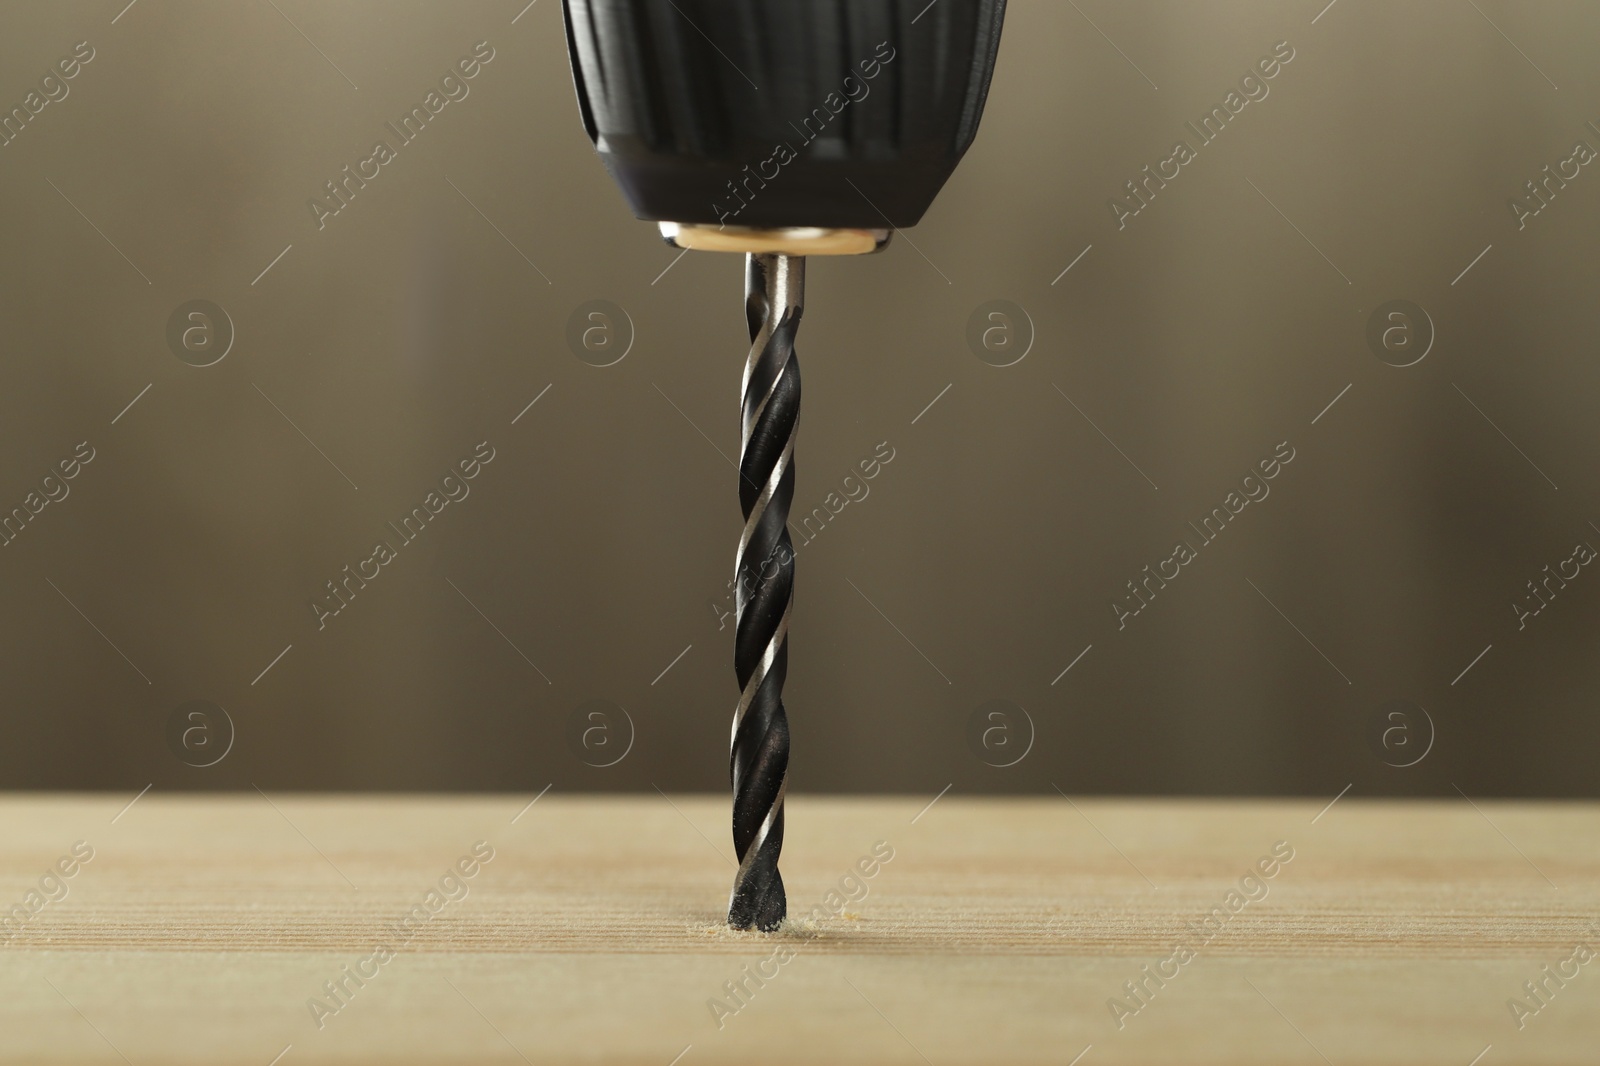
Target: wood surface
999, 932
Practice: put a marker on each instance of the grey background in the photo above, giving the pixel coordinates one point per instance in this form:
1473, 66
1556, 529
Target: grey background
599, 541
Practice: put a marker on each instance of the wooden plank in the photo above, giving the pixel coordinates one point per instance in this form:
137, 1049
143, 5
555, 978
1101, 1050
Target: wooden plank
1001, 930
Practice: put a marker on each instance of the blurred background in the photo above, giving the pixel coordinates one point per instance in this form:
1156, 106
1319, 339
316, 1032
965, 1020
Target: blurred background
218, 397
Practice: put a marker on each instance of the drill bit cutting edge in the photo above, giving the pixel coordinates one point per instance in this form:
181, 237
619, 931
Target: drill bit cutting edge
668, 95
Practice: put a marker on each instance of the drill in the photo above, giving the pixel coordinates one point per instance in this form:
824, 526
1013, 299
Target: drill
779, 129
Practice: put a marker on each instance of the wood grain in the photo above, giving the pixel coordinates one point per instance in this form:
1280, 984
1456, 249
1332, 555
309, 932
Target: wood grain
999, 932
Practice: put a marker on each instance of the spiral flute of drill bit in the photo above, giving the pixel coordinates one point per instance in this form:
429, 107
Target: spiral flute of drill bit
759, 747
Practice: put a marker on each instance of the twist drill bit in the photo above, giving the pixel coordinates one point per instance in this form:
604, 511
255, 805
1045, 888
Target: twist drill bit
764, 572
685, 101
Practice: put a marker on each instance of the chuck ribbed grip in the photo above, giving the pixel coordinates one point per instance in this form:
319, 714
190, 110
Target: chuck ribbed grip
766, 112
764, 570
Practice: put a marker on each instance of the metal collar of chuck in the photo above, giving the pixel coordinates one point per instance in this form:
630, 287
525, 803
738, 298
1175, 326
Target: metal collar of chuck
791, 240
